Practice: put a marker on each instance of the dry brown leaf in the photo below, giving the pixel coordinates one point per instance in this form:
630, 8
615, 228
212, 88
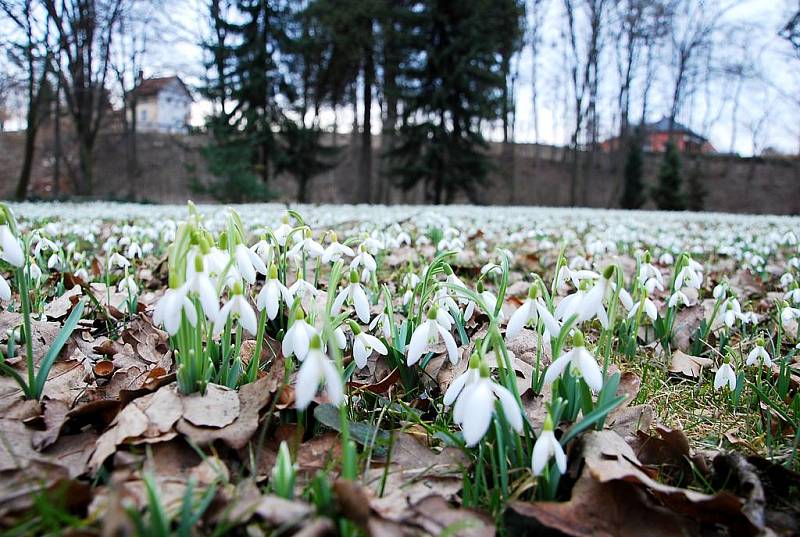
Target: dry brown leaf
687, 365
609, 458
252, 399
218, 407
614, 509
687, 320
61, 306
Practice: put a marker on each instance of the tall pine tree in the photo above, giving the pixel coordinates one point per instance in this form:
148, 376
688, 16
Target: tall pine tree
450, 84
633, 193
669, 195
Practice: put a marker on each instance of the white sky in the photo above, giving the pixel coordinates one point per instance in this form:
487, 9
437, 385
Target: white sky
768, 113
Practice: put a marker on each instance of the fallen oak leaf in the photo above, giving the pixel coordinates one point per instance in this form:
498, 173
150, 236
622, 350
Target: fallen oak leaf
609, 458
687, 365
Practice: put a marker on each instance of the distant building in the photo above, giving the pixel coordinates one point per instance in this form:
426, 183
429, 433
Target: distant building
163, 105
656, 136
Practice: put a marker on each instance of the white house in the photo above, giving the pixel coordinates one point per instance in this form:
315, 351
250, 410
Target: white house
163, 105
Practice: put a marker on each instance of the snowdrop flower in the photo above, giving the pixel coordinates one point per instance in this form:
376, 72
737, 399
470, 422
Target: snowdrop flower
43, 244
452, 279
475, 397
263, 249
336, 250
364, 259
34, 273
490, 300
793, 295
54, 262
301, 288
787, 279
354, 294
650, 308
666, 259
5, 289
649, 276
427, 334
725, 375
528, 314
546, 448
759, 354
133, 251
364, 344
170, 307
691, 275
720, 290
383, 321
82, 274
199, 284
592, 304
238, 307
271, 293
317, 369
733, 311
676, 298
582, 362
128, 285
298, 336
115, 260
248, 263
283, 231
788, 314
307, 245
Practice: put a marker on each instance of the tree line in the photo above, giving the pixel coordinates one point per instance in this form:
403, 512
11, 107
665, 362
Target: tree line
432, 77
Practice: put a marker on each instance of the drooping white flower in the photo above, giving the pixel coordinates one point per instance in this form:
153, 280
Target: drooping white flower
301, 288
307, 245
298, 336
200, 285
759, 354
317, 369
170, 307
364, 344
237, 307
650, 308
115, 260
454, 280
5, 289
732, 312
678, 297
128, 285
283, 231
529, 313
490, 301
336, 250
725, 376
789, 314
428, 333
34, 273
272, 293
365, 260
546, 448
248, 263
10, 248
793, 295
475, 398
133, 251
383, 322
581, 361
353, 294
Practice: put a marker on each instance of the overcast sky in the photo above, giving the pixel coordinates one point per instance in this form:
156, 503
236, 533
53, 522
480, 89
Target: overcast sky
768, 112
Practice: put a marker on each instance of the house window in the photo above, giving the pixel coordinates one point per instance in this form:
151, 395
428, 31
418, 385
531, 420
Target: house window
143, 115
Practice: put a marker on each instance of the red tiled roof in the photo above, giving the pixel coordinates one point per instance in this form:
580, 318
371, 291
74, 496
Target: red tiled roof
152, 86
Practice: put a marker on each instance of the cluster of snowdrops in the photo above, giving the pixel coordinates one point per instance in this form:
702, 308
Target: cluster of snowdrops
326, 300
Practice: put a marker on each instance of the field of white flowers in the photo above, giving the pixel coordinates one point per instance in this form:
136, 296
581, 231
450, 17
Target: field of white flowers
406, 370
